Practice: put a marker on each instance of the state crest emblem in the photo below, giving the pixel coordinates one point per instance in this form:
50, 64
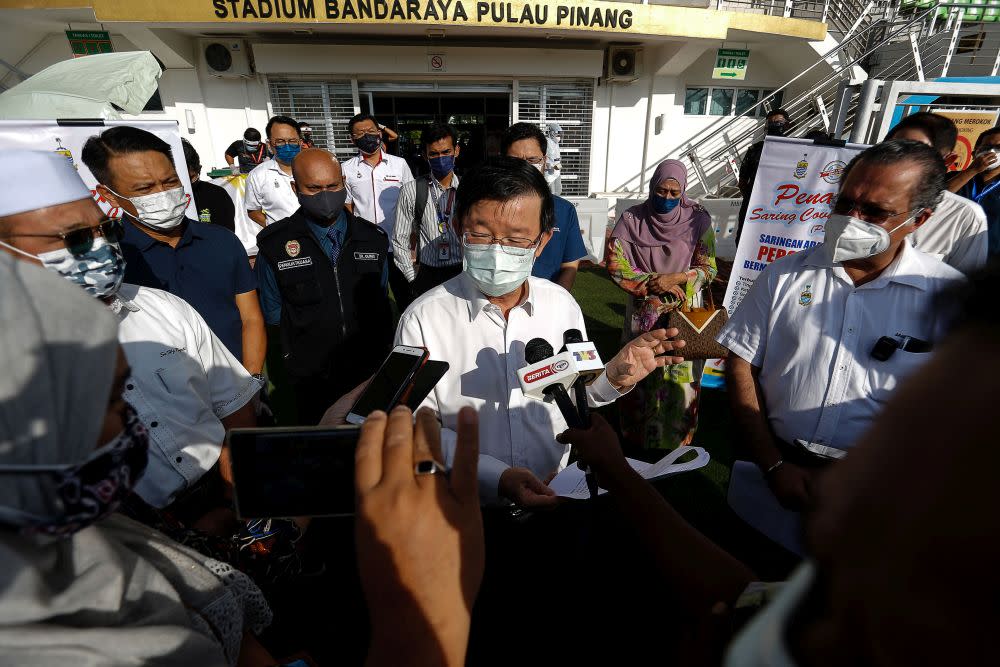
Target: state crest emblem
293, 248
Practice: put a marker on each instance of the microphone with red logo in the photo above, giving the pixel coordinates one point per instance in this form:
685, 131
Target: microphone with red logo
550, 375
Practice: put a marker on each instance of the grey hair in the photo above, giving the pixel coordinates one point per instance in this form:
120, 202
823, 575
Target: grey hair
928, 192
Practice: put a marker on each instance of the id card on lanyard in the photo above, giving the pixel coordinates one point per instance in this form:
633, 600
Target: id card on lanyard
444, 221
978, 197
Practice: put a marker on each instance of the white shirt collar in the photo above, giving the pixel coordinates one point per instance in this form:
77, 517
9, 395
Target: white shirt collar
907, 269
478, 302
274, 166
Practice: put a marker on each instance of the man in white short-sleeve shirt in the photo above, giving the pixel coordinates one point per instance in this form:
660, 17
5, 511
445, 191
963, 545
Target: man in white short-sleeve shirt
270, 196
185, 386
373, 178
480, 321
956, 232
811, 336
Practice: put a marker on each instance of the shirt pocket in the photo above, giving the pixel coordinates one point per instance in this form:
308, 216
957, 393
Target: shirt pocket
884, 377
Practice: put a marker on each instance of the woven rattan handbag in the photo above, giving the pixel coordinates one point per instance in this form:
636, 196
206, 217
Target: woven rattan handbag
698, 328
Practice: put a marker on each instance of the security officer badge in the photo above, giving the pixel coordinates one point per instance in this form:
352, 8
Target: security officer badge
293, 248
806, 297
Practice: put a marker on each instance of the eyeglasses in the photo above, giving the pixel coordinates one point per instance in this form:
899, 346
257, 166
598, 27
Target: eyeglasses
507, 243
868, 212
277, 143
534, 161
80, 241
370, 133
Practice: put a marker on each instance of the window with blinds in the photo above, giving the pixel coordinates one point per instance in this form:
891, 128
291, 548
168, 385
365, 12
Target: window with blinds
325, 105
571, 104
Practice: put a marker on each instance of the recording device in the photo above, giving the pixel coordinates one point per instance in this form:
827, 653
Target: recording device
886, 346
292, 472
550, 375
575, 338
390, 384
424, 382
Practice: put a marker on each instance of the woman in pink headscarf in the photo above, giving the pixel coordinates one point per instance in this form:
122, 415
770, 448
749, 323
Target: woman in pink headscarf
662, 252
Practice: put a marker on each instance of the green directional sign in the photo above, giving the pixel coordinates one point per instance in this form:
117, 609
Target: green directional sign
731, 64
89, 42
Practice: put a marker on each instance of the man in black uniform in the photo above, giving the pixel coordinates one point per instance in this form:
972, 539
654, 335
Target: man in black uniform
777, 126
250, 151
323, 275
213, 203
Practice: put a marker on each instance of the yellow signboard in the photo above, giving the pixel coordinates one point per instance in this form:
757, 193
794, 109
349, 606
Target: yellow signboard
970, 125
550, 15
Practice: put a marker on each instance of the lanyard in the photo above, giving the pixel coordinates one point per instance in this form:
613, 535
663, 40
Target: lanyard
976, 198
444, 217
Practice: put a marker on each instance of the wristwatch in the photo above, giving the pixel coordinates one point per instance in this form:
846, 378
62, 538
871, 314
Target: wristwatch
259, 377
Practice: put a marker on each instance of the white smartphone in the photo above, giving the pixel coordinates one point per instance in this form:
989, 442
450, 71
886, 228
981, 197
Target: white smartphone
390, 383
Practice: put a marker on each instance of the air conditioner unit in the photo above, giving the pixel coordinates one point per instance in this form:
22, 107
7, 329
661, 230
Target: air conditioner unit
623, 63
224, 57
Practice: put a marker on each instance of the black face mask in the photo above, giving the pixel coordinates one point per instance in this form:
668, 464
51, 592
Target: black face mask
324, 206
777, 129
369, 144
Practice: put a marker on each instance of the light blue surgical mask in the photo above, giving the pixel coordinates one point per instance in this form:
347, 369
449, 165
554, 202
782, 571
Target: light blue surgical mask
664, 205
495, 270
287, 152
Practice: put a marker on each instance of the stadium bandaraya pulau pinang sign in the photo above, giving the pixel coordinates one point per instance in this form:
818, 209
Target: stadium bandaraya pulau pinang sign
456, 12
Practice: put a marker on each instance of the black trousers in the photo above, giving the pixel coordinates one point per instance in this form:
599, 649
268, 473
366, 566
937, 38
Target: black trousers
429, 277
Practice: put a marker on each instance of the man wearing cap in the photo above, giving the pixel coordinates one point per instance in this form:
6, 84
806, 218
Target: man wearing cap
203, 264
249, 151
185, 385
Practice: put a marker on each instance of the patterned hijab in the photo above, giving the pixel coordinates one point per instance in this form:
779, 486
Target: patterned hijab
662, 242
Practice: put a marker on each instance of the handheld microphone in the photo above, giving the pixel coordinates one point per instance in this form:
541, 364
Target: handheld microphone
550, 375
572, 338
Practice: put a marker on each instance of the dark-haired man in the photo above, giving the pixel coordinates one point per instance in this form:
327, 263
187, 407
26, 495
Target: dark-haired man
203, 264
956, 231
269, 193
426, 245
480, 321
373, 178
250, 151
777, 123
214, 205
560, 260
825, 335
981, 183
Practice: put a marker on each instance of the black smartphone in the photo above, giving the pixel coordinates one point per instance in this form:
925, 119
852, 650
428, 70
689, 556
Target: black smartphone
390, 383
423, 383
290, 472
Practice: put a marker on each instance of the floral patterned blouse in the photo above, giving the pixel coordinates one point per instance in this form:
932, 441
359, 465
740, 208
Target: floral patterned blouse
647, 308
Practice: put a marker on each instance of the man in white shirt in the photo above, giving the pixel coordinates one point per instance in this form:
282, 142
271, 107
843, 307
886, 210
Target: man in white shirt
480, 321
956, 232
373, 178
185, 385
269, 193
824, 336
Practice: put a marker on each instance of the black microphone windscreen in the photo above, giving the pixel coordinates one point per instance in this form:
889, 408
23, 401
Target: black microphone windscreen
572, 336
536, 350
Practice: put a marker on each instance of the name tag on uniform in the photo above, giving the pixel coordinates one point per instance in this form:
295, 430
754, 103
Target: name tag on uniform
444, 251
295, 263
391, 179
366, 256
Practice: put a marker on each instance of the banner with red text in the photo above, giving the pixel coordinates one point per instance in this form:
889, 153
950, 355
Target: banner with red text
792, 197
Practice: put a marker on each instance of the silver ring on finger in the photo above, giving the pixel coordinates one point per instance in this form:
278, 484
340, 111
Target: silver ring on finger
429, 467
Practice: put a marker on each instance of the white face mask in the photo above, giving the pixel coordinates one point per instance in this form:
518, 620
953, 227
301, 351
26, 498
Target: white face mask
848, 238
497, 272
161, 210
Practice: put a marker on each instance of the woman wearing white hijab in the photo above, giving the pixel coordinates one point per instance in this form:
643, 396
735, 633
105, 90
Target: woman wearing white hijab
78, 585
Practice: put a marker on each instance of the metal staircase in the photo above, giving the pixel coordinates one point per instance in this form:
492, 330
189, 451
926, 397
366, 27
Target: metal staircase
884, 39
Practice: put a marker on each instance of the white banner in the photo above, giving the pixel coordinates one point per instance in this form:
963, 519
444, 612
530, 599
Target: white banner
246, 229
68, 137
792, 198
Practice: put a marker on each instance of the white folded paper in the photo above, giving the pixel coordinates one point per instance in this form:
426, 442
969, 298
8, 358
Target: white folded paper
572, 483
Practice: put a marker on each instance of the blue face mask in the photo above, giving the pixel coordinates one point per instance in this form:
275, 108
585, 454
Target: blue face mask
664, 205
442, 166
287, 152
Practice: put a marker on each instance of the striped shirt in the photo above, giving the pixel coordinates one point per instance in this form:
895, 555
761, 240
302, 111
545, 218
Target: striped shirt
439, 244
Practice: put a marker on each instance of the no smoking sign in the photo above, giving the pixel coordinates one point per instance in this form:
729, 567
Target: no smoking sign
436, 63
